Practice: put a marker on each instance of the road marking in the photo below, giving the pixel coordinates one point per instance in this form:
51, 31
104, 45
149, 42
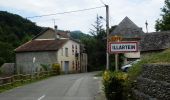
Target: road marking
95, 77
40, 98
73, 90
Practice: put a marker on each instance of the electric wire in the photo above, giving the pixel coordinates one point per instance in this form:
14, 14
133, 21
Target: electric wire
66, 12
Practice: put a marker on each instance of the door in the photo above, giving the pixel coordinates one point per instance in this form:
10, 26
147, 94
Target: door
66, 66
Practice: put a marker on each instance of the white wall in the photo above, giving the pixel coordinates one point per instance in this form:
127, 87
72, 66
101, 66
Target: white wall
71, 57
132, 55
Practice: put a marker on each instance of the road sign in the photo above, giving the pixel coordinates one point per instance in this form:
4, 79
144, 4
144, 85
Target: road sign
123, 47
115, 38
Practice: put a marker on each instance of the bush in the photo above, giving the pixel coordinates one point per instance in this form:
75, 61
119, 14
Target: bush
0, 71
114, 85
56, 68
45, 67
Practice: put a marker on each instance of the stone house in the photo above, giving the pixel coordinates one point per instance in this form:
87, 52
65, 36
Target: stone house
49, 47
129, 31
155, 42
148, 42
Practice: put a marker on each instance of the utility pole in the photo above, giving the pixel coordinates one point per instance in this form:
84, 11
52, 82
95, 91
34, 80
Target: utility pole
107, 36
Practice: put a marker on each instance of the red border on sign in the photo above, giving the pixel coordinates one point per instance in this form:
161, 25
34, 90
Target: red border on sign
136, 42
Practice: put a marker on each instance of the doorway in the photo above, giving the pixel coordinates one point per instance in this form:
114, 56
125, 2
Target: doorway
66, 67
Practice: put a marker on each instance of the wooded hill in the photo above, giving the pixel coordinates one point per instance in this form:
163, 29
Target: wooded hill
14, 31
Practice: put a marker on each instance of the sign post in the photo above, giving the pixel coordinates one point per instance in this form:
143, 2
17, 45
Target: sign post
116, 61
122, 47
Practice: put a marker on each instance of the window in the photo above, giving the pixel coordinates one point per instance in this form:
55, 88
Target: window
62, 51
72, 49
66, 52
61, 64
73, 64
76, 48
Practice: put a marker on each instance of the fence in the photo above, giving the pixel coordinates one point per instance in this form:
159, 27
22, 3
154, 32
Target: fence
11, 80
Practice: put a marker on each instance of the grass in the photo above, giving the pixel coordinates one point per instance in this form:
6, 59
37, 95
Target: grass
152, 58
99, 74
17, 84
136, 69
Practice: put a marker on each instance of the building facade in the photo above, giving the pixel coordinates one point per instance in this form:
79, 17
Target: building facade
49, 47
129, 31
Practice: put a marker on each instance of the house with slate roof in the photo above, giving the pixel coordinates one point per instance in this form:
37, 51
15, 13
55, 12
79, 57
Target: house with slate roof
155, 42
129, 31
148, 42
49, 47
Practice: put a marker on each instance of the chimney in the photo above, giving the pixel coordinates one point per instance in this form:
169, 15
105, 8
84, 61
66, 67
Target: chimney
68, 33
56, 32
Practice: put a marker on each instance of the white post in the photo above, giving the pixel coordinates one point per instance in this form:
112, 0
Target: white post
33, 60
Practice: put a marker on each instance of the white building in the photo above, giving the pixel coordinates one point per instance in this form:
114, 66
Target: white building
50, 47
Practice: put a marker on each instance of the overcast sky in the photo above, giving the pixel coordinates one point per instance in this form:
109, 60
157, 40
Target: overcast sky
137, 10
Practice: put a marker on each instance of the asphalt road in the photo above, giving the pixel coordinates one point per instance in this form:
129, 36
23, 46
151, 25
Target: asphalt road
64, 87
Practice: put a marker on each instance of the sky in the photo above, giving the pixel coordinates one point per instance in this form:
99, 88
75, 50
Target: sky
137, 10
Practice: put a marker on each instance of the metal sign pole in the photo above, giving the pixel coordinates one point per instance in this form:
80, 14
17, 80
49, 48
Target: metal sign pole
117, 58
116, 61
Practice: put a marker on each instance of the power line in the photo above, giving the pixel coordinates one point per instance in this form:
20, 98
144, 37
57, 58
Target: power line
102, 2
66, 12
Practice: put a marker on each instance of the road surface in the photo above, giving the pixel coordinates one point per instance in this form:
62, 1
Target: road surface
64, 87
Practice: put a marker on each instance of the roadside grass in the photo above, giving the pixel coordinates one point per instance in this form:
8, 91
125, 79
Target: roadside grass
99, 74
162, 57
136, 69
21, 83
126, 80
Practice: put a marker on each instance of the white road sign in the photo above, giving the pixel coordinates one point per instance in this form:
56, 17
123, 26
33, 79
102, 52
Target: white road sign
122, 47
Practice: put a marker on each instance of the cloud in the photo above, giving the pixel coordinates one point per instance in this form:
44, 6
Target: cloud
137, 10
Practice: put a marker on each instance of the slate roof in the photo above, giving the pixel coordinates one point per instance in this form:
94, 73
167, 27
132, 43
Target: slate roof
41, 45
64, 34
155, 41
127, 29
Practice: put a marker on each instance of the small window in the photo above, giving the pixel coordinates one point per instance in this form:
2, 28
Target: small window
61, 63
72, 49
62, 51
76, 48
73, 64
66, 52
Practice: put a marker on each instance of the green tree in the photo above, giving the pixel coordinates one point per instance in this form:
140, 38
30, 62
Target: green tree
14, 31
164, 23
6, 53
96, 48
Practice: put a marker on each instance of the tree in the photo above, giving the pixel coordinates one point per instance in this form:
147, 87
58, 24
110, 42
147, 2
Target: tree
6, 53
164, 23
14, 31
98, 28
96, 46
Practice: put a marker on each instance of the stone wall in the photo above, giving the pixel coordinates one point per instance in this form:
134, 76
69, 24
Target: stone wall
26, 65
153, 83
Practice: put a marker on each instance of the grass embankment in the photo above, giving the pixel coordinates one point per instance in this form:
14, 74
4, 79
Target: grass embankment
119, 84
20, 83
162, 57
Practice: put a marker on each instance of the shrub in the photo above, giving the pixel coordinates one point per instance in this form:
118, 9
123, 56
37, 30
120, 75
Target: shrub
56, 68
114, 85
45, 67
0, 71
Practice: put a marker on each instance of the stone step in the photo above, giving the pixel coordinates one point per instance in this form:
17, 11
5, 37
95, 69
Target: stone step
153, 88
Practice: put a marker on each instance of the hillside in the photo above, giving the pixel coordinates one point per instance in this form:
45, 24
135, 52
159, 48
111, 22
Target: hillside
78, 34
152, 58
14, 31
